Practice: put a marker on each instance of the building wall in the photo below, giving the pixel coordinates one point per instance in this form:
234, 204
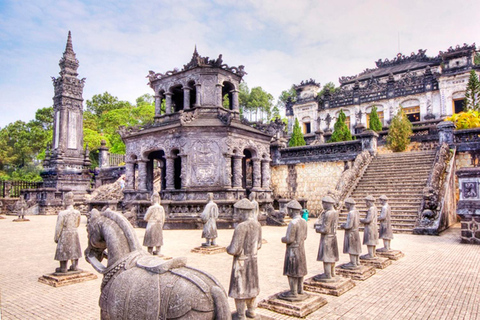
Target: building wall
307, 180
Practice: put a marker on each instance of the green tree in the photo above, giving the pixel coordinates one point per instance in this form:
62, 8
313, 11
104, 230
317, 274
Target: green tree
472, 93
399, 132
101, 103
374, 121
288, 94
329, 86
297, 139
340, 130
255, 100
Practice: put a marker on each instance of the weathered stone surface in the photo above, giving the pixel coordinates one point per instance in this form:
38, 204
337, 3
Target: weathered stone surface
377, 262
65, 279
339, 286
209, 250
392, 254
300, 309
361, 273
209, 218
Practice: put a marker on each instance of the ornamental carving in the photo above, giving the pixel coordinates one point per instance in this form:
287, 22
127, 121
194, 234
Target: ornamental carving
205, 163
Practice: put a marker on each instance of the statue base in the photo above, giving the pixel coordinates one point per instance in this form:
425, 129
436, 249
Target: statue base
335, 286
264, 241
362, 272
392, 254
302, 308
58, 279
2, 217
209, 250
377, 262
20, 220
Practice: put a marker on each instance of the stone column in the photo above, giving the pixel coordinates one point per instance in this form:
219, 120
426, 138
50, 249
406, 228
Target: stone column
130, 175
219, 95
235, 104
445, 132
237, 171
142, 175
266, 174
184, 174
228, 170
170, 172
186, 98
257, 175
158, 105
198, 97
168, 103
369, 141
103, 155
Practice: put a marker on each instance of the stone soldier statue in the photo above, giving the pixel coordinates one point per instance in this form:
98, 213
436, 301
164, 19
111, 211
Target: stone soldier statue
326, 225
295, 265
209, 217
253, 200
20, 207
66, 236
370, 232
246, 241
155, 217
351, 242
386, 231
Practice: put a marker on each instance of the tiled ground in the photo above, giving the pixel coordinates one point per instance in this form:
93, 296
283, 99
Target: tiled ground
438, 278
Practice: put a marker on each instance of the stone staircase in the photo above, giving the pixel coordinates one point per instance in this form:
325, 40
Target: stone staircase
399, 176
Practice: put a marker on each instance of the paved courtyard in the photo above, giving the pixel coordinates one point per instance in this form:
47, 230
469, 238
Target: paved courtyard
438, 278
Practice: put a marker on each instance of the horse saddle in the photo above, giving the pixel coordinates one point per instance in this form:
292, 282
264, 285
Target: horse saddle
157, 265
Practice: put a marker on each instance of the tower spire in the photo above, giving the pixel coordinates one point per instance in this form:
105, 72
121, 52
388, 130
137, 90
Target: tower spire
69, 47
69, 63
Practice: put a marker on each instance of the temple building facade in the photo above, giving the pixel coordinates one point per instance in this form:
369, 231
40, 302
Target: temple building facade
425, 87
198, 145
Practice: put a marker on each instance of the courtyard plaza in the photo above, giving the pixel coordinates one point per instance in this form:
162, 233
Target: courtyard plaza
439, 278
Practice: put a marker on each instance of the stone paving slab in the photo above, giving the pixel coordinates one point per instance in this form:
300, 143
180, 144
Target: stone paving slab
439, 278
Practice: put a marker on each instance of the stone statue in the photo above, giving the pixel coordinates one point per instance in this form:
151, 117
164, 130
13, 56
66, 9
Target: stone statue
370, 232
253, 200
351, 242
209, 217
386, 231
326, 225
295, 264
246, 241
131, 214
66, 236
155, 217
20, 207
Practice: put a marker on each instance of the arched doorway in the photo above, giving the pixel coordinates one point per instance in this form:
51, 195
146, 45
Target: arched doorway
247, 171
156, 175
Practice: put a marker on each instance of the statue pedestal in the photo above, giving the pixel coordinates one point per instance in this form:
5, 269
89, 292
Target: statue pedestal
2, 217
209, 250
21, 220
363, 272
303, 308
392, 254
335, 287
377, 262
67, 278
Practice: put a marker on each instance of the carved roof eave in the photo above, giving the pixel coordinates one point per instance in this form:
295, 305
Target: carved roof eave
306, 83
465, 50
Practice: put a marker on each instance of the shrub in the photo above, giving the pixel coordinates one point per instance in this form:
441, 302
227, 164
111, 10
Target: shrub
374, 122
340, 130
466, 120
297, 139
399, 132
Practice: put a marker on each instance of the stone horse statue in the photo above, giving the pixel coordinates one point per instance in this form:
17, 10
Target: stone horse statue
137, 285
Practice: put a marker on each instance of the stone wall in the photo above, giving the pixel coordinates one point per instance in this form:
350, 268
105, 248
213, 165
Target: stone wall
306, 180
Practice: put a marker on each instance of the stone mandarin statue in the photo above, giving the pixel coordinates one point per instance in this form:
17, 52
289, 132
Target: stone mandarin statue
326, 225
155, 217
20, 207
209, 217
386, 231
246, 241
253, 200
66, 236
370, 232
351, 242
295, 264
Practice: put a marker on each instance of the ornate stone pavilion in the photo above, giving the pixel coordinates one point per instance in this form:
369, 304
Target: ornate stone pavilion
199, 145
425, 87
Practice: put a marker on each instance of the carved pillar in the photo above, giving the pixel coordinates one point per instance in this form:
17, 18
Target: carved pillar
266, 174
170, 172
130, 175
142, 175
168, 103
235, 104
237, 171
228, 170
445, 132
183, 174
158, 105
369, 141
186, 98
103, 155
219, 95
198, 96
257, 173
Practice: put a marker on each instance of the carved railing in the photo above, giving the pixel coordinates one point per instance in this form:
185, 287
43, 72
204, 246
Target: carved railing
422, 131
12, 189
467, 135
114, 159
347, 150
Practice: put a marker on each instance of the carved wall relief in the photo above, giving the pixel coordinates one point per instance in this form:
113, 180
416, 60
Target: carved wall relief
204, 163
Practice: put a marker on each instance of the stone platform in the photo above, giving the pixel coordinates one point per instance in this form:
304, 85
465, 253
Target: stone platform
392, 254
336, 287
68, 278
311, 303
209, 250
20, 220
378, 262
362, 273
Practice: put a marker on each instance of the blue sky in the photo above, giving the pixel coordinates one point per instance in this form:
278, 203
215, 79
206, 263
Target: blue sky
279, 42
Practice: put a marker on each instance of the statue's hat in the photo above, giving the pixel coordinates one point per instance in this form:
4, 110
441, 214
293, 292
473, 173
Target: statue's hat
383, 197
369, 198
244, 204
328, 199
350, 200
294, 204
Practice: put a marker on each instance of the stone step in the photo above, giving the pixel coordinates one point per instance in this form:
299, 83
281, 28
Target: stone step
390, 184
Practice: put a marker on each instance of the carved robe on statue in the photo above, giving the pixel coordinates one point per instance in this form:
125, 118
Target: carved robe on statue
155, 217
351, 242
327, 226
256, 210
209, 217
66, 235
370, 231
295, 264
246, 241
386, 231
